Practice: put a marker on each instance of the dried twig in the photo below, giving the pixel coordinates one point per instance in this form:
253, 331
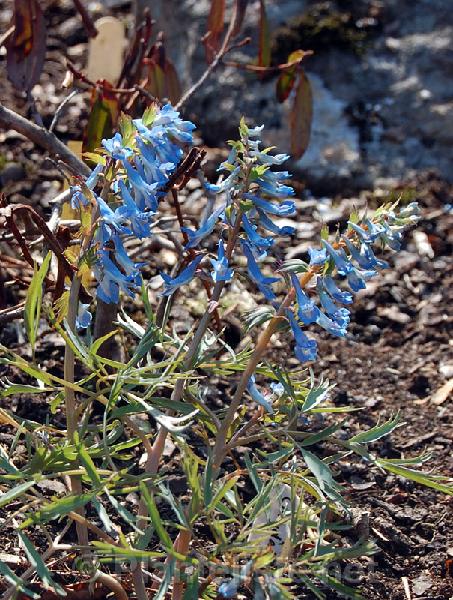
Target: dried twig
41, 137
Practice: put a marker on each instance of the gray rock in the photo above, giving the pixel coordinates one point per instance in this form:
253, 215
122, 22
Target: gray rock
384, 113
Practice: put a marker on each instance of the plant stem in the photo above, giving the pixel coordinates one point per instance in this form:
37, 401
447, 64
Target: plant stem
220, 447
70, 402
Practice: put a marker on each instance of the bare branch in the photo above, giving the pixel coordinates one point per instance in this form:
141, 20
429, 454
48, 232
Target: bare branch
41, 137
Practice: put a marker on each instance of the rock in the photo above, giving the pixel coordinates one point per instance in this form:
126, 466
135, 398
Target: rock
384, 112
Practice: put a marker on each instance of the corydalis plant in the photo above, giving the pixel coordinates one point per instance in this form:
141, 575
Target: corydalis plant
263, 515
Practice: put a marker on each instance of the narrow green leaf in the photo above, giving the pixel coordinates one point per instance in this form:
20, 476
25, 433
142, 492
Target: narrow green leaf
16, 581
88, 463
427, 479
39, 565
33, 301
375, 433
15, 492
155, 518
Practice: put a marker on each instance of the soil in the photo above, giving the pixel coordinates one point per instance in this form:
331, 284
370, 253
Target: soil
398, 358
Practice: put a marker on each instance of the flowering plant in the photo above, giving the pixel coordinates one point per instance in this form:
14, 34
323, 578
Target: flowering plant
259, 509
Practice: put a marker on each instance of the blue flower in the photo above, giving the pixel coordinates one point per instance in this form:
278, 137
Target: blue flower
268, 224
317, 257
307, 311
111, 280
221, 271
115, 147
78, 198
342, 296
186, 275
255, 238
284, 209
261, 281
144, 192
277, 388
356, 279
339, 258
140, 221
339, 315
226, 185
83, 320
273, 188
364, 257
195, 237
331, 326
258, 396
306, 349
268, 159
229, 587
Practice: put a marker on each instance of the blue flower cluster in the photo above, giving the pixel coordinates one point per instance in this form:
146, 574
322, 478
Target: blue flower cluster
352, 259
142, 157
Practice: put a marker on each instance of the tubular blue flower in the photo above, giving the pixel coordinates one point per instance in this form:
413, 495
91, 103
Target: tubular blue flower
273, 188
255, 131
362, 233
195, 237
229, 587
339, 258
129, 267
144, 192
261, 281
356, 279
306, 349
331, 326
83, 320
412, 209
268, 224
139, 221
78, 197
229, 161
284, 209
375, 230
226, 185
267, 159
171, 284
111, 280
258, 397
307, 311
221, 270
254, 238
156, 172
317, 257
277, 388
342, 296
115, 147
339, 315
392, 238
364, 257
110, 222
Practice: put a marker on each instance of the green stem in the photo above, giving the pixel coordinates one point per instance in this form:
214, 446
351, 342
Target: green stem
70, 402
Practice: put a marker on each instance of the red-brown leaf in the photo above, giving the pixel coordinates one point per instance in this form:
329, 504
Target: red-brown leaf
102, 120
172, 85
26, 47
216, 22
240, 8
301, 116
285, 84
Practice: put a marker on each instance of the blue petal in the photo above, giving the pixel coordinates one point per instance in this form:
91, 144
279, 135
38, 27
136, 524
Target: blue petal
186, 275
258, 396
